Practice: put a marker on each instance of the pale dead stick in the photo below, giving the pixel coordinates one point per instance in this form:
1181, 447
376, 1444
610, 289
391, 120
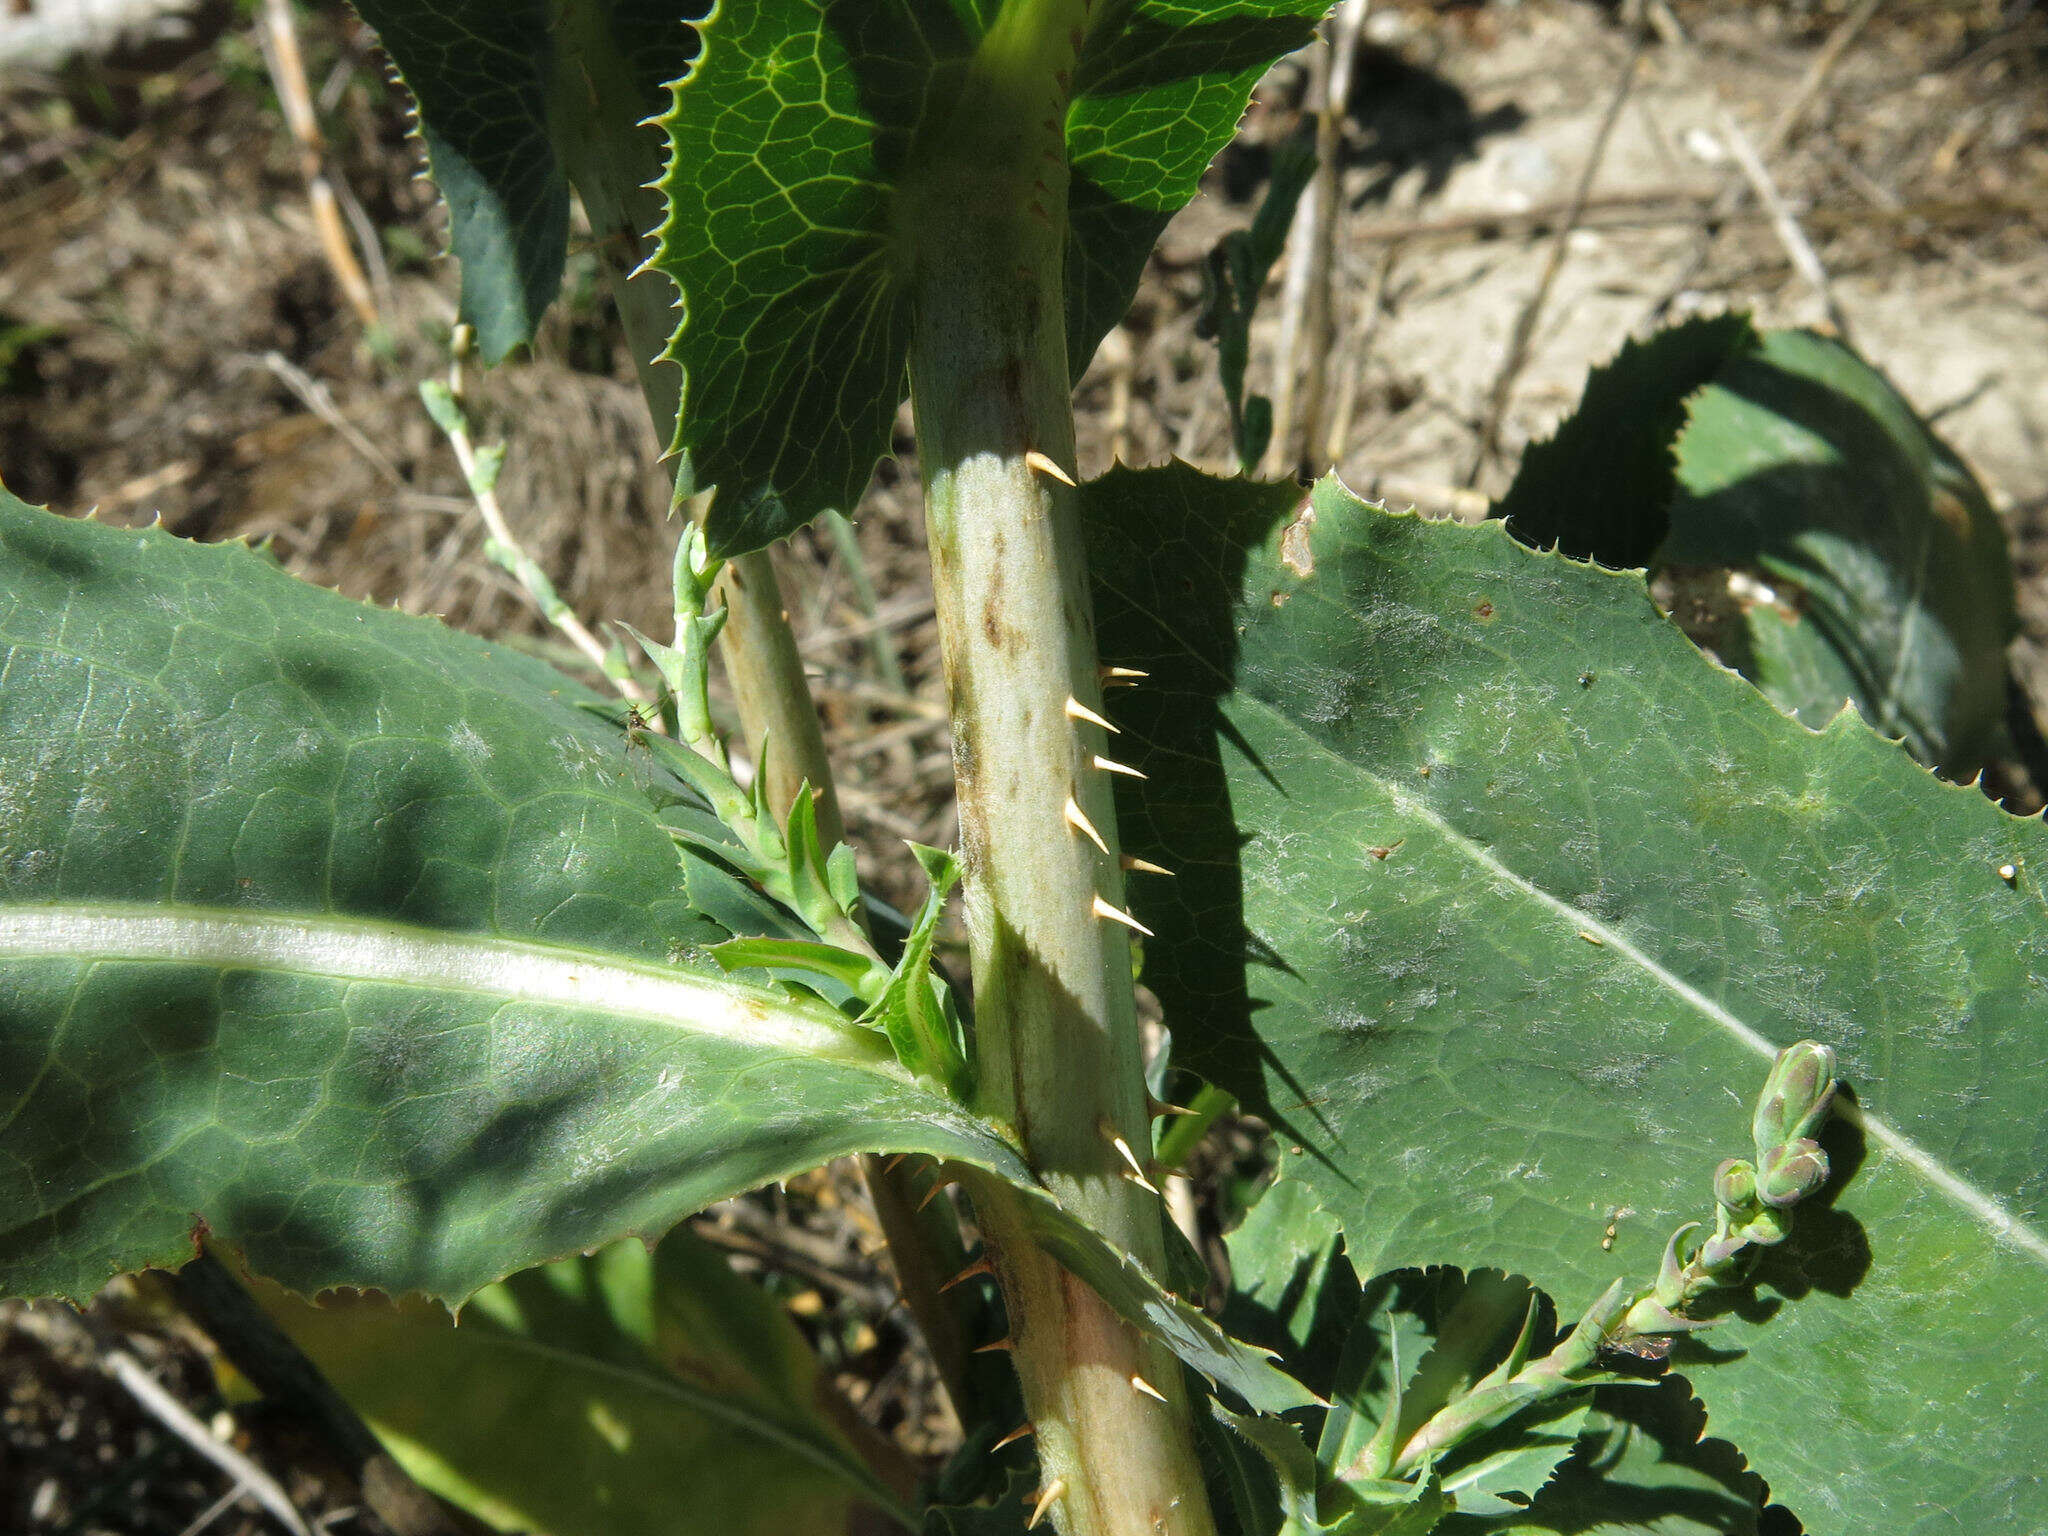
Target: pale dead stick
1784, 223
180, 1421
278, 37
1304, 293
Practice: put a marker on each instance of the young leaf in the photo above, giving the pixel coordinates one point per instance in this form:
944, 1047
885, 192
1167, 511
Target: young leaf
1601, 487
838, 975
1803, 459
358, 943
916, 1010
627, 1393
1417, 1342
793, 231
1517, 894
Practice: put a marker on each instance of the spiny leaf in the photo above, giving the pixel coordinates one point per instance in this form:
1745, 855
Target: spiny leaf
478, 71
501, 88
1517, 894
357, 942
1159, 92
360, 945
1601, 488
1804, 460
791, 143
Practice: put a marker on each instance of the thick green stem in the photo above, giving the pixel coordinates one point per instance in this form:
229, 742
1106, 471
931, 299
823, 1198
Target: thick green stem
1056, 1039
611, 158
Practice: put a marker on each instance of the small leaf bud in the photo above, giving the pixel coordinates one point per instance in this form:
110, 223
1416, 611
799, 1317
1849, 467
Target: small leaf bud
1795, 1171
1795, 1098
1721, 1250
1672, 1280
1735, 1185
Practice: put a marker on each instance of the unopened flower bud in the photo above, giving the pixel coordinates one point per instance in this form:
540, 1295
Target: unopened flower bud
1795, 1171
1766, 1228
1735, 1185
1795, 1098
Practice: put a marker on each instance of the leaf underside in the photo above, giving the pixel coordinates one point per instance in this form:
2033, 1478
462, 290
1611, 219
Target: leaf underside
1803, 460
789, 143
1495, 897
629, 1393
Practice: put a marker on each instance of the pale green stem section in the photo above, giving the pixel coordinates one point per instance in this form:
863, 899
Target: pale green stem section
611, 159
1056, 1041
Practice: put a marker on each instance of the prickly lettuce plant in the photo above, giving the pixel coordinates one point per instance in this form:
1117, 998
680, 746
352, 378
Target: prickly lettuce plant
1648, 1071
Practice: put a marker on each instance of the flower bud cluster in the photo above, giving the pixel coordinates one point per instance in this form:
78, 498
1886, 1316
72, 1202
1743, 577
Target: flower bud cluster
1752, 1209
1752, 1200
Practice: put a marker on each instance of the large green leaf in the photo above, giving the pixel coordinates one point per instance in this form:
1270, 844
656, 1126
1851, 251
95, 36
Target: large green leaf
792, 142
358, 942
500, 87
630, 1393
1496, 898
1803, 459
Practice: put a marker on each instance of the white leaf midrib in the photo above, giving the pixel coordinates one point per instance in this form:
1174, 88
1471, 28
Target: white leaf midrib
350, 949
1981, 1205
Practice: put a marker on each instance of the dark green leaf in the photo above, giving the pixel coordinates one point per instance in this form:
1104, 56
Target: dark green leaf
478, 71
629, 1392
501, 91
1496, 897
792, 141
1804, 460
1601, 488
357, 942
787, 141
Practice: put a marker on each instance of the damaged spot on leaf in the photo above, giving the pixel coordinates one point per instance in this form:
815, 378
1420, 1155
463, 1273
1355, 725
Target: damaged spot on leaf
1295, 551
